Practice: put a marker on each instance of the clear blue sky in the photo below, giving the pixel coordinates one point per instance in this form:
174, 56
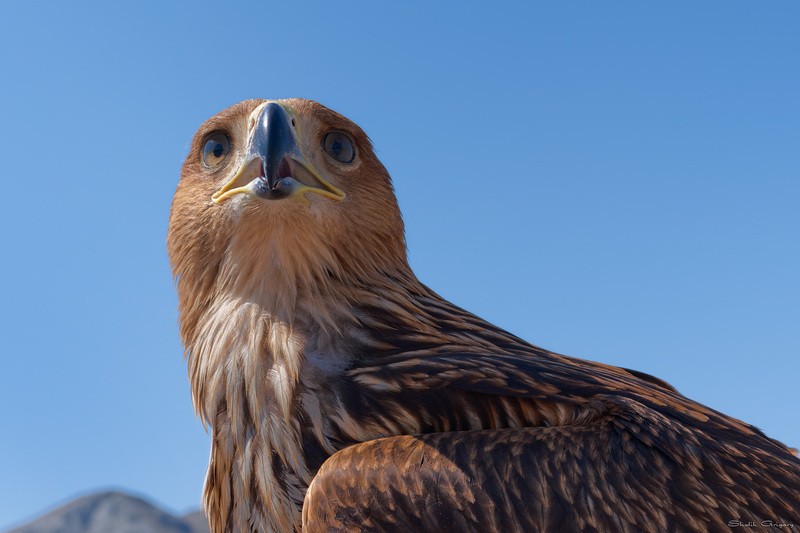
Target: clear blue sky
618, 182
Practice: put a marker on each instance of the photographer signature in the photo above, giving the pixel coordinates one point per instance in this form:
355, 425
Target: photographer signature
763, 523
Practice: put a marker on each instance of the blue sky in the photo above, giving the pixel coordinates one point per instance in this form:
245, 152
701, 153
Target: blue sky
619, 182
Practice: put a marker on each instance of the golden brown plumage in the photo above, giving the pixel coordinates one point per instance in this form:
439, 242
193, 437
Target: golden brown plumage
336, 384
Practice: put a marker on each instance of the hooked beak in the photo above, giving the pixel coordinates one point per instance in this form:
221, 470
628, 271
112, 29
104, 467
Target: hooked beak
275, 167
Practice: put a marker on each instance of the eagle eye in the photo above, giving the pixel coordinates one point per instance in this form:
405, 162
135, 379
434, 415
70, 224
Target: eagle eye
215, 149
339, 146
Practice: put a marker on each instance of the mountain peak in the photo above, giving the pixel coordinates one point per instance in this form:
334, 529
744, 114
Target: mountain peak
116, 511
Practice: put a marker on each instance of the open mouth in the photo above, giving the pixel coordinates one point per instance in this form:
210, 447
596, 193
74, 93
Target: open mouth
292, 177
291, 171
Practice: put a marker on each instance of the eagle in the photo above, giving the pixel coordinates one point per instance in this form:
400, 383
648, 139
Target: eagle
342, 394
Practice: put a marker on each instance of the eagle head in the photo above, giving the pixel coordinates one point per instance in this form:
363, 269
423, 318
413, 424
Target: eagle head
278, 199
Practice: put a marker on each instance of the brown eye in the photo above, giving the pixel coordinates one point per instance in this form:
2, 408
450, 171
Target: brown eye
215, 149
339, 146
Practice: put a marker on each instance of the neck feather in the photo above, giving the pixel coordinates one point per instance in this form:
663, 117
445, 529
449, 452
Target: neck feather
268, 308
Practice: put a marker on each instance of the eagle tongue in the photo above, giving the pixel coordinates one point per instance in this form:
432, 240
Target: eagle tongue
284, 171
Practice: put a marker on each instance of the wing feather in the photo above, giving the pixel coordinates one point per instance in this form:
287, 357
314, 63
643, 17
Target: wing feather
605, 449
619, 471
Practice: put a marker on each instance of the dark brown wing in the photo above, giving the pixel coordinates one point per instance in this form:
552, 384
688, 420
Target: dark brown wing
618, 471
628, 453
